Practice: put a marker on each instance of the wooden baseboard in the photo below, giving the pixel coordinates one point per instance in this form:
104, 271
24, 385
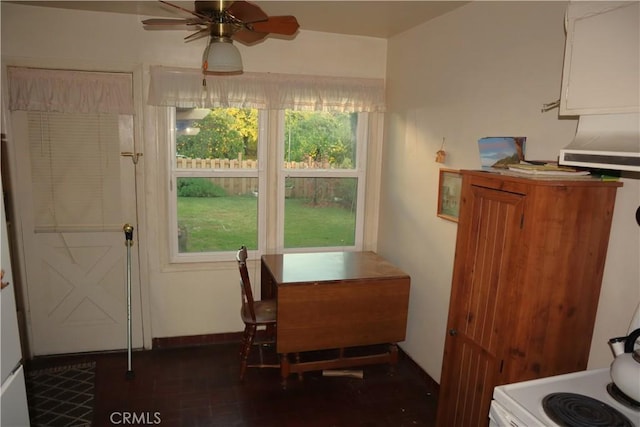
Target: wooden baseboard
195, 340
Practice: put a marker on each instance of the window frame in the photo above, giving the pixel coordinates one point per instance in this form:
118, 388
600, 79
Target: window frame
174, 173
359, 172
270, 171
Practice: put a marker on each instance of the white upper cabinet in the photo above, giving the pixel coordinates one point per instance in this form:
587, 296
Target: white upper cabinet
602, 56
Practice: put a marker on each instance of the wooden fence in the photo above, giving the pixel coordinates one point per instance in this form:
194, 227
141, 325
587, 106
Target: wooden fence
239, 163
316, 188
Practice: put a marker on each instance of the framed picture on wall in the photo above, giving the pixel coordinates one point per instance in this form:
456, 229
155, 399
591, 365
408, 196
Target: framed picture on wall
449, 194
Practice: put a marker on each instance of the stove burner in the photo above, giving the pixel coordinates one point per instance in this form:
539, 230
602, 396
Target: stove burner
576, 410
620, 397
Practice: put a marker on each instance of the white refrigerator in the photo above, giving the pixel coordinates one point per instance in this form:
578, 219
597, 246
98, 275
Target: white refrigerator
13, 400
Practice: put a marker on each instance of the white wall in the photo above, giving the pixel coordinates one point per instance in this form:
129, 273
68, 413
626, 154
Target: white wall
186, 300
481, 70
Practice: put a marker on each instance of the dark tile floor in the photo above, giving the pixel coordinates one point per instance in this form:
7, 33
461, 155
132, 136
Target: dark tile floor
198, 386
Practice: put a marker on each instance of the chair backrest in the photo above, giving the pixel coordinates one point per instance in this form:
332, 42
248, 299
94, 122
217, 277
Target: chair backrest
245, 283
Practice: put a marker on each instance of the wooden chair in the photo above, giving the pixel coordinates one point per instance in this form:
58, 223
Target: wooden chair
254, 314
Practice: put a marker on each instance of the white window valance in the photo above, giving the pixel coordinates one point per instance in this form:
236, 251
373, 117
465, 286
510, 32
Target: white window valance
67, 91
180, 87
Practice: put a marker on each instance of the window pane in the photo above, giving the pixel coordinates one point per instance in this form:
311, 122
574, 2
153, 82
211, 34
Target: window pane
320, 140
320, 212
217, 214
216, 211
219, 133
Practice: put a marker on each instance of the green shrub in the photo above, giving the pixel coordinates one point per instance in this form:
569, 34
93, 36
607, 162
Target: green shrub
199, 187
345, 193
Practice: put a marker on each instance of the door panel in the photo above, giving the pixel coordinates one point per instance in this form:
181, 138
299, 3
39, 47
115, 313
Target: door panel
476, 371
488, 231
82, 306
74, 248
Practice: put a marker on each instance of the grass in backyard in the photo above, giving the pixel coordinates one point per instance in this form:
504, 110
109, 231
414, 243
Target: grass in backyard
317, 226
226, 223
218, 223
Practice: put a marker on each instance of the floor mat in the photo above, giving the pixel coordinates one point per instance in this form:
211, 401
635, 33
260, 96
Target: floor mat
61, 396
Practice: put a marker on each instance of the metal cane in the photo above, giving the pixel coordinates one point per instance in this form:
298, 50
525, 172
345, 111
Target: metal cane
128, 235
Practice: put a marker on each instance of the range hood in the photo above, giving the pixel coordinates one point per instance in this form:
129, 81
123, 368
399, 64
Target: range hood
605, 141
601, 84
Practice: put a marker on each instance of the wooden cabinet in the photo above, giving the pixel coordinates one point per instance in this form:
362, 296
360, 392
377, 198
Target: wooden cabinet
528, 266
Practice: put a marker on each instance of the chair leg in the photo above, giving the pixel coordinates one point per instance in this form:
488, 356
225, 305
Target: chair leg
243, 342
250, 332
244, 338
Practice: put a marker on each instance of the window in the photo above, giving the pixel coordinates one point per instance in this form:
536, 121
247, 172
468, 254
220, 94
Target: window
77, 124
323, 170
215, 181
75, 162
218, 196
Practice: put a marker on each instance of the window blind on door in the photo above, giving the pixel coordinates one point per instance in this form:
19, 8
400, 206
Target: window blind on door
76, 124
75, 161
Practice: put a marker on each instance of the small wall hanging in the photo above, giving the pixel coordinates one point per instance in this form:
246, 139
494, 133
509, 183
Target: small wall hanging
449, 194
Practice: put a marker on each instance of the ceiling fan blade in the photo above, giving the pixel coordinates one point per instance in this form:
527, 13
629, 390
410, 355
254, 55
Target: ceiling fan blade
248, 37
247, 12
197, 35
286, 25
169, 22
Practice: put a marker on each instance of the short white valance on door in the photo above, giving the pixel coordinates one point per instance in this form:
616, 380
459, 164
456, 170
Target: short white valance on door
69, 91
184, 88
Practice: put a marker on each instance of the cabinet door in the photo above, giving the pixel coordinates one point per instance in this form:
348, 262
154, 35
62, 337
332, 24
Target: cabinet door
601, 61
488, 234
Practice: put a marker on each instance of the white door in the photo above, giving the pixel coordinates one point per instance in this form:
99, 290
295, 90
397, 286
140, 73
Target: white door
75, 193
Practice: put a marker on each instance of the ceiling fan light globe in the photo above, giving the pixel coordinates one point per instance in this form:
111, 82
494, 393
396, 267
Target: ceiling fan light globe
222, 58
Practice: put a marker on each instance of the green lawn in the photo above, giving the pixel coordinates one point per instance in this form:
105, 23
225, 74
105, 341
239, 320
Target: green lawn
225, 223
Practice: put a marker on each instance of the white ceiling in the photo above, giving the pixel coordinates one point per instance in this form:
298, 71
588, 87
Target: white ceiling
366, 18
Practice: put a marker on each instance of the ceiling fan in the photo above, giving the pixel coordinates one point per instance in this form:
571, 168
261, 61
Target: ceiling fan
225, 21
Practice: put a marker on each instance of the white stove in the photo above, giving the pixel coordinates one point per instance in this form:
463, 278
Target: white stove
520, 404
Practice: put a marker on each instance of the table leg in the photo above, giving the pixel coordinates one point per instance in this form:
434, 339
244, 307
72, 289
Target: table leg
284, 369
393, 357
300, 376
